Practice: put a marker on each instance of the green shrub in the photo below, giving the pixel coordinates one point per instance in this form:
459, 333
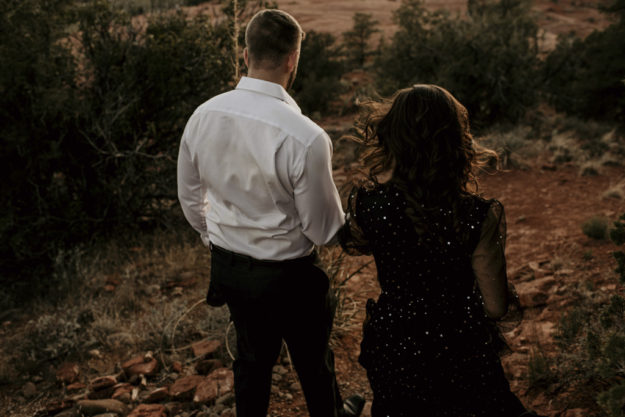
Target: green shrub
584, 77
90, 130
591, 341
617, 235
596, 227
318, 85
487, 60
356, 40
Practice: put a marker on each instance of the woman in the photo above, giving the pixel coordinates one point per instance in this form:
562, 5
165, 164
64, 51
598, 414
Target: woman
439, 250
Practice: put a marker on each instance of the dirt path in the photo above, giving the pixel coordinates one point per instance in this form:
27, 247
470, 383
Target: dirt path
545, 210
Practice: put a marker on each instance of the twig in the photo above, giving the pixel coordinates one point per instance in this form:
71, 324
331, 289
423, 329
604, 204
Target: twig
173, 332
350, 276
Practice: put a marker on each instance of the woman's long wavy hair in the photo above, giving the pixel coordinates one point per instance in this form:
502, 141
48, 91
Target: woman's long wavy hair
424, 141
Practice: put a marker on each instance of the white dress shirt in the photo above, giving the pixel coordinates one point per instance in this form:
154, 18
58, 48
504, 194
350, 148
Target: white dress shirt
255, 175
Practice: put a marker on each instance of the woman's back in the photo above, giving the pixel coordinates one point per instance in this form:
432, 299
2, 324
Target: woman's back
427, 339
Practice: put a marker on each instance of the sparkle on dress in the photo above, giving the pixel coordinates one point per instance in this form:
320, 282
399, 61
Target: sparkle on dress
426, 342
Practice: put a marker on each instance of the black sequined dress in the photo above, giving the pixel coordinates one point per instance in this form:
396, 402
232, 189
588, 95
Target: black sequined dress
427, 346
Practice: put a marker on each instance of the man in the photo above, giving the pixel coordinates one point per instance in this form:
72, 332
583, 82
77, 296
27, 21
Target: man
255, 180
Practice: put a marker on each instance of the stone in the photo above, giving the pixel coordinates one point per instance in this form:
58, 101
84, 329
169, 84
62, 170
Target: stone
76, 386
184, 387
122, 392
226, 399
280, 370
535, 293
225, 378
276, 377
140, 365
70, 412
206, 366
205, 347
29, 390
218, 408
55, 407
149, 410
107, 415
159, 394
94, 407
68, 373
206, 392
102, 382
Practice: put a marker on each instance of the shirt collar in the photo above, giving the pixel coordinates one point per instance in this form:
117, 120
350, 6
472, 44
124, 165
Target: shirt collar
268, 88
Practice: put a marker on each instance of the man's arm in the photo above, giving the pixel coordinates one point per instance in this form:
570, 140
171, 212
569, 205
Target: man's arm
190, 190
316, 198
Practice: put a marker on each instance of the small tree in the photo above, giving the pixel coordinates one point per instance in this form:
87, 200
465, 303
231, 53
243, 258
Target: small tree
487, 60
357, 39
318, 81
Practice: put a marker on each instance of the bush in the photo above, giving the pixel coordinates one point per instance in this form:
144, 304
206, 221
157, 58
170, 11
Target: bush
596, 227
318, 85
591, 339
488, 60
584, 77
91, 129
356, 40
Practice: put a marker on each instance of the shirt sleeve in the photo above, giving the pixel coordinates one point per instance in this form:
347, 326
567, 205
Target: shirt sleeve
317, 200
489, 262
190, 191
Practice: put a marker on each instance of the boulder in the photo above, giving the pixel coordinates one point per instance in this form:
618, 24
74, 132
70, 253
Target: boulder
95, 407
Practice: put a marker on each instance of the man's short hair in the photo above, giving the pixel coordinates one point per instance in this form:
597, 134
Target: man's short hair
271, 35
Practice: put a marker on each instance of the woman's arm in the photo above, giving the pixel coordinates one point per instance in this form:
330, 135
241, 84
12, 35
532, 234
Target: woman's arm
489, 262
350, 236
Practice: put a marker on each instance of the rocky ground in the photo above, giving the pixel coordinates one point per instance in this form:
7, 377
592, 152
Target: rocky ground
549, 258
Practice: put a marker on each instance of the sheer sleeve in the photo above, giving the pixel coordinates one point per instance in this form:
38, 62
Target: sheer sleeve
489, 262
351, 237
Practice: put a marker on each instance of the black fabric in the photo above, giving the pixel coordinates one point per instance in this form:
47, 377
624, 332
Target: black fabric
427, 346
269, 302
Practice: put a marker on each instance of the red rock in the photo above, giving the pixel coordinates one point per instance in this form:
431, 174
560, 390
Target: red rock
148, 410
206, 366
140, 365
122, 391
76, 386
207, 391
224, 378
102, 382
94, 407
184, 387
159, 394
176, 366
205, 347
56, 407
68, 373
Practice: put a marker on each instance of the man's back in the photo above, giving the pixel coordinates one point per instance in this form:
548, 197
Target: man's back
264, 169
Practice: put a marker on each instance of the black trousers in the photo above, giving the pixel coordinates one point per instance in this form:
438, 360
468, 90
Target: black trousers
270, 302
